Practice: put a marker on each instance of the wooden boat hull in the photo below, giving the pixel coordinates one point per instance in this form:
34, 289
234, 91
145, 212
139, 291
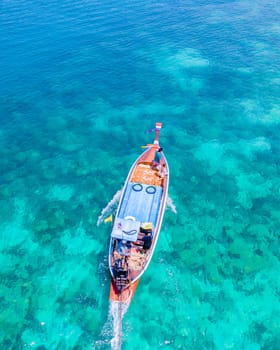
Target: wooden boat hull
138, 220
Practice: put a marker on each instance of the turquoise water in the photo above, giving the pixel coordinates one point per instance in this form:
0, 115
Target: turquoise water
80, 83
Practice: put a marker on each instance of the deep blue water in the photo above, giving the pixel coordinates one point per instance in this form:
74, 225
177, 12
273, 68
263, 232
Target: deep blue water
81, 82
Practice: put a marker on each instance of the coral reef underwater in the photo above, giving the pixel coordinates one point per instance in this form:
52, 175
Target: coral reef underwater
80, 85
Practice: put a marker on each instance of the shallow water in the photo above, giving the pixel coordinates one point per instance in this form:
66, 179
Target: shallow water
81, 82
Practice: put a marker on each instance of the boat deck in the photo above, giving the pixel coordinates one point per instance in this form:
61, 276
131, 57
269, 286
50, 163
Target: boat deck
136, 261
141, 202
145, 174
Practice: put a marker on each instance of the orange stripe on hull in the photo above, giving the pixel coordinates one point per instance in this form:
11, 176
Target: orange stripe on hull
126, 295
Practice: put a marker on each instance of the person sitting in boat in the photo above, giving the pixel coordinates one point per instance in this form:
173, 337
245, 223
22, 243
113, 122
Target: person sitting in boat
157, 159
163, 171
147, 239
146, 227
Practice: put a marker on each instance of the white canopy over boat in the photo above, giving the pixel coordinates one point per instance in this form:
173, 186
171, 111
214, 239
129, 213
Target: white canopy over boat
126, 229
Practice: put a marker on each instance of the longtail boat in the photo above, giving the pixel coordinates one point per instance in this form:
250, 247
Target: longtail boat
138, 220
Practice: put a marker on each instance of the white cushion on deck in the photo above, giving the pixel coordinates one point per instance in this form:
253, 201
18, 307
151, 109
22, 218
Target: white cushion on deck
126, 229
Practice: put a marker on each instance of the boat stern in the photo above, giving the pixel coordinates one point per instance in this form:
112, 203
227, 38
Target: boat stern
124, 295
